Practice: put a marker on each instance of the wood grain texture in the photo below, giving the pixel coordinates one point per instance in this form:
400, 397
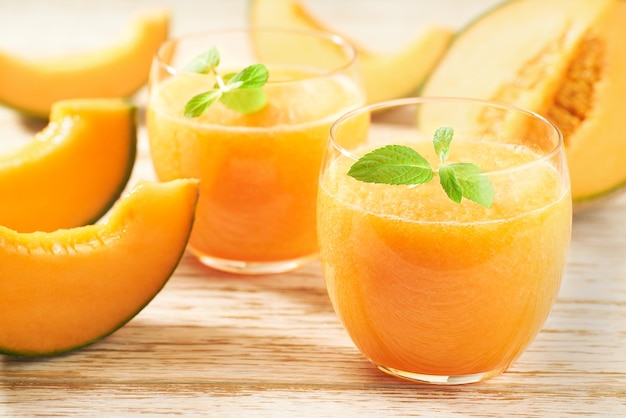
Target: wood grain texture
219, 345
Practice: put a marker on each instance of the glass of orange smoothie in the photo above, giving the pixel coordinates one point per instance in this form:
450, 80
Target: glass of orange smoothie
258, 171
433, 290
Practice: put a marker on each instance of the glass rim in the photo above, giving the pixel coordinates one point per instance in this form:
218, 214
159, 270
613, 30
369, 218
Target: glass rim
350, 50
396, 103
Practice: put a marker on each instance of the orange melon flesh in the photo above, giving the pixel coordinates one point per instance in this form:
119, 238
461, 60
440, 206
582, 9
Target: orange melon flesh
563, 59
386, 76
119, 70
63, 290
73, 170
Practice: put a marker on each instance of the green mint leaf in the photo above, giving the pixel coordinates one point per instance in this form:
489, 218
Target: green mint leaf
475, 185
398, 164
205, 62
450, 183
226, 78
392, 164
240, 91
253, 76
245, 101
199, 103
441, 141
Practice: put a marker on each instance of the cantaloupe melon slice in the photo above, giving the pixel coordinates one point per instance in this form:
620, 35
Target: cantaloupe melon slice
563, 59
119, 70
72, 171
386, 76
62, 290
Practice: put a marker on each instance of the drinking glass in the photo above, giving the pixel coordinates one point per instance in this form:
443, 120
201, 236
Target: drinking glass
258, 172
429, 289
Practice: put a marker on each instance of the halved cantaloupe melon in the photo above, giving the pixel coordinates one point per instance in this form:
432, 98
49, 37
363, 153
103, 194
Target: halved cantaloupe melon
32, 86
74, 169
62, 290
563, 59
386, 76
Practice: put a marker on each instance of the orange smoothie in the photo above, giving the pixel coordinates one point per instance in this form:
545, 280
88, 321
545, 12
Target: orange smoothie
427, 286
258, 172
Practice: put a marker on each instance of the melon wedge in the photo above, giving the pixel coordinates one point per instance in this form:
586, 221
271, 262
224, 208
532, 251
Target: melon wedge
386, 76
563, 59
63, 290
119, 70
73, 170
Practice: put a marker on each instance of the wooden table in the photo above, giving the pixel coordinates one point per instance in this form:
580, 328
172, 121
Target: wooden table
213, 344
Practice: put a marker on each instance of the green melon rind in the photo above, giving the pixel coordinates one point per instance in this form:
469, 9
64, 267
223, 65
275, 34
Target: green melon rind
130, 165
42, 117
587, 201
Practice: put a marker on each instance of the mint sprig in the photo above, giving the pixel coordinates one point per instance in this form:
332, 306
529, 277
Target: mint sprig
402, 165
242, 91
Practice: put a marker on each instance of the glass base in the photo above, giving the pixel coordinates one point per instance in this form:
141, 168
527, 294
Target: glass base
252, 267
441, 380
